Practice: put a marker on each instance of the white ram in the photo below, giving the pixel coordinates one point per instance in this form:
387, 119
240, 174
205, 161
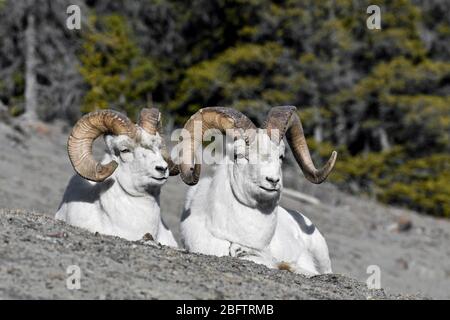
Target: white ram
235, 211
120, 195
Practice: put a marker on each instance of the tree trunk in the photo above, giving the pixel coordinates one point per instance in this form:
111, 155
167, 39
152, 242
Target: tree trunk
30, 69
383, 138
318, 132
318, 128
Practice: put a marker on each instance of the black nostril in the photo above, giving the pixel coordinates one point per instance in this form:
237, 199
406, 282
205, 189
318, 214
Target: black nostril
273, 180
161, 168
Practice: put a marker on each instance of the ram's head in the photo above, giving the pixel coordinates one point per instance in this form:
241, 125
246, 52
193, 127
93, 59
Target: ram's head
257, 154
137, 156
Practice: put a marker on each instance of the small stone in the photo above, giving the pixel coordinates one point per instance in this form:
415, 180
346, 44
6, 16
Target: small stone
404, 223
148, 237
403, 263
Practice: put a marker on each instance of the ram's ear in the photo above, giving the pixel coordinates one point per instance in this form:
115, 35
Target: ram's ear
109, 141
230, 149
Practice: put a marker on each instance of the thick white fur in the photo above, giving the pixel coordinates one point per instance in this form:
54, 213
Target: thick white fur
228, 213
127, 203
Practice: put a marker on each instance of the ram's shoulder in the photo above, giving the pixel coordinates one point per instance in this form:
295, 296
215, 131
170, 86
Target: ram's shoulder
296, 220
80, 189
200, 188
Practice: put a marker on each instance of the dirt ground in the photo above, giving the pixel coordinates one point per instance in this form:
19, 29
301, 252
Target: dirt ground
411, 250
37, 250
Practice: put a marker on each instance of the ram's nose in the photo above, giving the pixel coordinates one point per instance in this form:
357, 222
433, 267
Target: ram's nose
161, 168
273, 180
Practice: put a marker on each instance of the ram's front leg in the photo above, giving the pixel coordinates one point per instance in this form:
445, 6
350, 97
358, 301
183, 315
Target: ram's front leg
165, 236
256, 256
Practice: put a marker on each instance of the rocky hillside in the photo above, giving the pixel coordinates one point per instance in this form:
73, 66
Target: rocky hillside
36, 251
411, 250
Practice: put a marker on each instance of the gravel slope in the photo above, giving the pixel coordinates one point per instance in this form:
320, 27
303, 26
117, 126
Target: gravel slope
34, 171
36, 250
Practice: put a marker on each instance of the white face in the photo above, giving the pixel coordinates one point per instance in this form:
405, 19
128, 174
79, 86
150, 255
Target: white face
142, 169
256, 176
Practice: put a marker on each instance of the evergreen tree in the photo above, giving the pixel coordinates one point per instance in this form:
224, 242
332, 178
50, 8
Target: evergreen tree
118, 75
381, 97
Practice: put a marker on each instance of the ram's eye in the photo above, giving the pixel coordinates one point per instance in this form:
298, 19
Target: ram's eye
281, 157
125, 151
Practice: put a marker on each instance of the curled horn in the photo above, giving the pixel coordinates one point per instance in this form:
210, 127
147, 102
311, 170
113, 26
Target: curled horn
220, 118
150, 121
286, 120
85, 131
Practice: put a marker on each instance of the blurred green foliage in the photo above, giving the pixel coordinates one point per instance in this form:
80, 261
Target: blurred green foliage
419, 183
112, 64
243, 77
379, 97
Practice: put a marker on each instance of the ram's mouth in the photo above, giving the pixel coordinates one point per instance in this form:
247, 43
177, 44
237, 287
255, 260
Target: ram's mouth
160, 179
270, 189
